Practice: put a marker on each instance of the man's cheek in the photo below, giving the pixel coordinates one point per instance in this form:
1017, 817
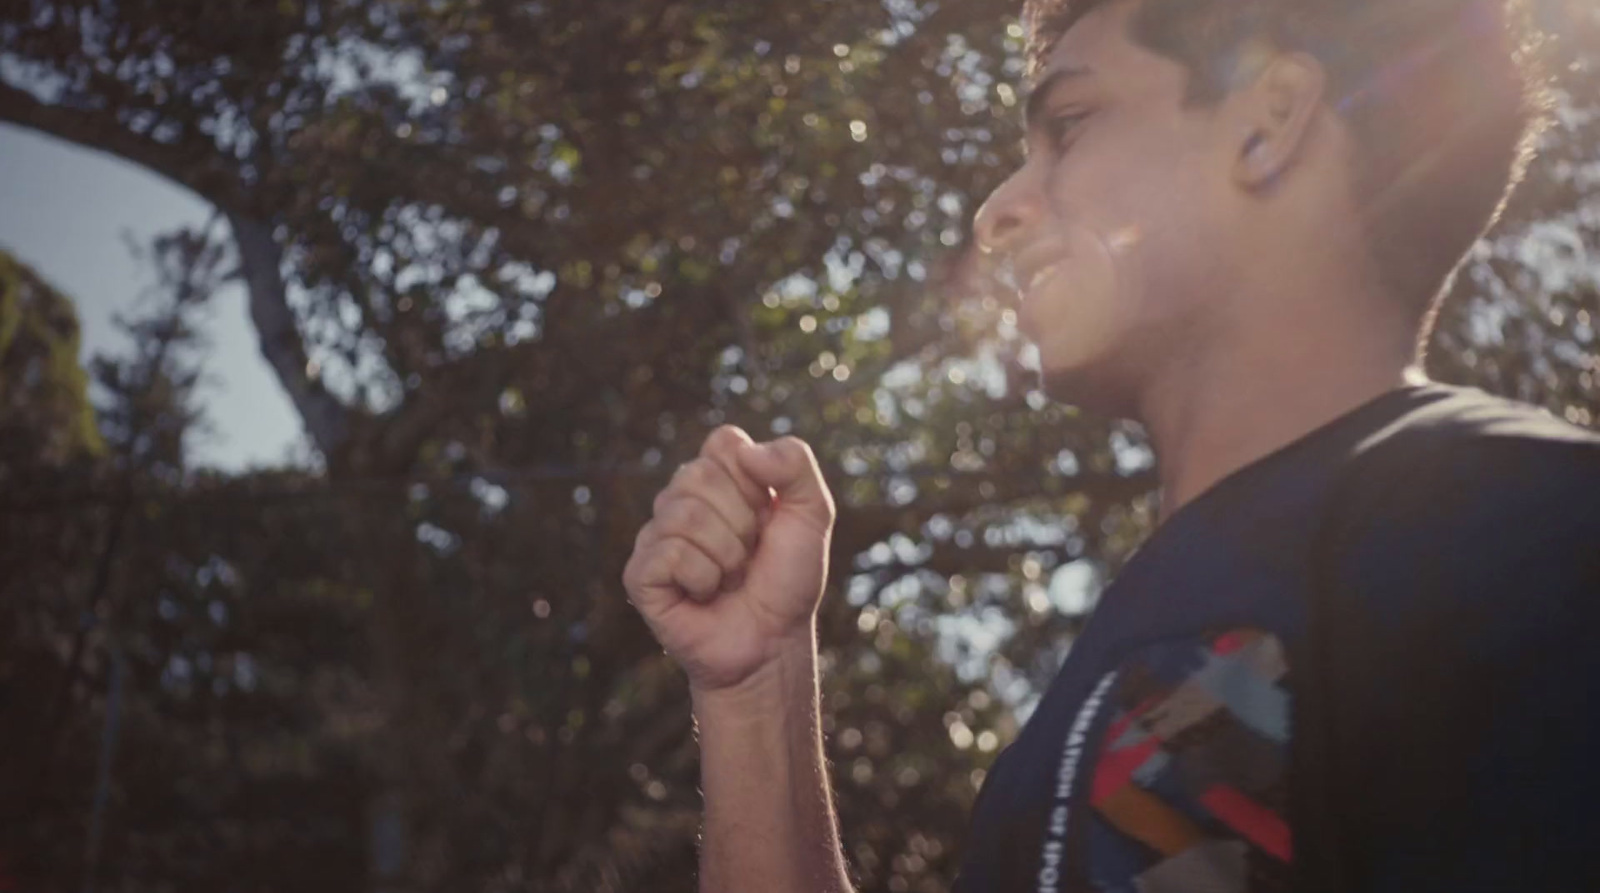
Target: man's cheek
1077, 314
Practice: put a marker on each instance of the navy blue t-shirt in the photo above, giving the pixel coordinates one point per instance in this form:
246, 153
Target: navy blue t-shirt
1368, 661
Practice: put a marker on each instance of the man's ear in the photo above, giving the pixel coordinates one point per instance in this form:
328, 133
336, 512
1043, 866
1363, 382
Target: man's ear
1278, 108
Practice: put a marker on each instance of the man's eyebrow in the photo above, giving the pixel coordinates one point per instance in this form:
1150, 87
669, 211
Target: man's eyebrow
1033, 108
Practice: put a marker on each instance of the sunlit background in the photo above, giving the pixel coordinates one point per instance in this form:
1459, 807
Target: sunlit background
344, 347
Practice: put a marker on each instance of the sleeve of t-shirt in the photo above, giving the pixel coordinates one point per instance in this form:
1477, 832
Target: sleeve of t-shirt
1461, 597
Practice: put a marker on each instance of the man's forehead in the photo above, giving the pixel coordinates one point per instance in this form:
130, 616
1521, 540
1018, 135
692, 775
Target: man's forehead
1093, 42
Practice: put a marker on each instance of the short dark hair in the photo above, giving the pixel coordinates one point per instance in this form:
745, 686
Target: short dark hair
1442, 96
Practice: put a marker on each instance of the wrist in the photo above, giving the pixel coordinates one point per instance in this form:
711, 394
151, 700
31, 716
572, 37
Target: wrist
782, 682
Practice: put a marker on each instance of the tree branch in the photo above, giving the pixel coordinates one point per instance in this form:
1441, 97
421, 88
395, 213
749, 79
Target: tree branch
97, 129
327, 420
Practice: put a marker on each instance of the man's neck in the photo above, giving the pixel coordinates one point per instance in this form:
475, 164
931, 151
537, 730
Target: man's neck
1234, 406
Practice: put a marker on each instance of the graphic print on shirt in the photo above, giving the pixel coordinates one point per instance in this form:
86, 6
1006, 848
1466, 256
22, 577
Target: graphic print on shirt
1055, 836
1188, 791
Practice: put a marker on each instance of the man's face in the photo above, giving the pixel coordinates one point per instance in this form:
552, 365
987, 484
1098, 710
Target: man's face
1107, 223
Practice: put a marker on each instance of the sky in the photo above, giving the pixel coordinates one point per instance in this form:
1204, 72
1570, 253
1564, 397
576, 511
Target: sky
66, 211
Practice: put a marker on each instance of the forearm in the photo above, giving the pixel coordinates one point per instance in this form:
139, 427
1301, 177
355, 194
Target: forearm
769, 822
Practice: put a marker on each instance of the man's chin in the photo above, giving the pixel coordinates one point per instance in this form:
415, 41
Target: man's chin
1090, 387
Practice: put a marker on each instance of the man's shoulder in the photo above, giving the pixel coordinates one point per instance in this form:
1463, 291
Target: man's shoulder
1454, 603
1455, 442
1451, 416
1466, 493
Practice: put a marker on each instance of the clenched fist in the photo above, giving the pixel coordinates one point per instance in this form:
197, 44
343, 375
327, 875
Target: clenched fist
731, 567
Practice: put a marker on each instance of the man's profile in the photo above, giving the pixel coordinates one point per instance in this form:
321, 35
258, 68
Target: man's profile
1355, 655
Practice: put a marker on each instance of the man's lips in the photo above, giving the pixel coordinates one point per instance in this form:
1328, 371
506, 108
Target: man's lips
1039, 277
1035, 266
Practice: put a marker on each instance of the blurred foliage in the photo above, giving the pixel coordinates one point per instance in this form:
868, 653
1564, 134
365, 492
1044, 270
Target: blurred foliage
513, 261
45, 417
233, 644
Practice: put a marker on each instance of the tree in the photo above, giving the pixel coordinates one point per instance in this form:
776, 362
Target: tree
154, 702
45, 417
48, 435
514, 262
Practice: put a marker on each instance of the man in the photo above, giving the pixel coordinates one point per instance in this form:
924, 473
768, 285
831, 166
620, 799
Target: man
1356, 653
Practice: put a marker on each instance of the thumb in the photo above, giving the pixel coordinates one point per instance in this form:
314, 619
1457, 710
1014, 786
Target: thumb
788, 466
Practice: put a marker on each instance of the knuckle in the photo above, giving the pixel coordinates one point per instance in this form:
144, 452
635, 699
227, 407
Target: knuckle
710, 578
689, 567
747, 533
663, 499
687, 514
794, 446
725, 439
633, 573
672, 553
696, 474
738, 553
720, 554
698, 573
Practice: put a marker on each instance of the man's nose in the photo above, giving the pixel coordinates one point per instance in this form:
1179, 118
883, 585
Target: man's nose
1010, 211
